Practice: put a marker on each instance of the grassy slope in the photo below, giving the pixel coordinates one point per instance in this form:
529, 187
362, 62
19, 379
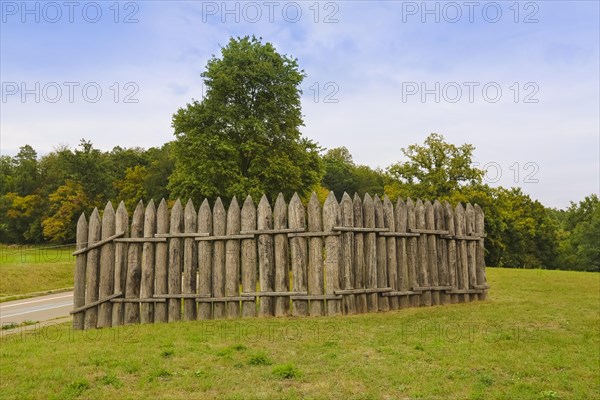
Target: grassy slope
535, 338
30, 269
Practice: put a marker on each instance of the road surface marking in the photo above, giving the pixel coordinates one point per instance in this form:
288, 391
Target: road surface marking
33, 311
35, 301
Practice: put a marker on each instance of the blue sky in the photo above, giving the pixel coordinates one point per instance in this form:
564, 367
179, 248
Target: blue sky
540, 132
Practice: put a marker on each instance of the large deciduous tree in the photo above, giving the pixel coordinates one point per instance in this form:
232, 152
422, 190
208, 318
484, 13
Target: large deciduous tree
435, 169
244, 136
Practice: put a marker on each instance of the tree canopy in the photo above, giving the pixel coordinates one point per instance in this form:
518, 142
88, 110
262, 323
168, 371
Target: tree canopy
244, 136
343, 175
41, 198
435, 169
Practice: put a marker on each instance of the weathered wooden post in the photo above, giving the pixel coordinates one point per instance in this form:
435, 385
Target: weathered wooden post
79, 283
471, 250
432, 255
91, 271
424, 279
315, 256
175, 262
382, 269
134, 267
391, 247
442, 251
463, 264
122, 226
248, 257
370, 254
298, 255
148, 260
232, 259
480, 232
161, 257
347, 278
400, 219
219, 229
414, 263
359, 255
205, 260
282, 279
453, 256
266, 257
107, 267
190, 261
332, 254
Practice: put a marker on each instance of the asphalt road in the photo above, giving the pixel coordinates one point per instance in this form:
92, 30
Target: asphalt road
39, 309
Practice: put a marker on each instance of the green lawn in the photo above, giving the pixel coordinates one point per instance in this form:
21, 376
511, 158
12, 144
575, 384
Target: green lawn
537, 337
34, 269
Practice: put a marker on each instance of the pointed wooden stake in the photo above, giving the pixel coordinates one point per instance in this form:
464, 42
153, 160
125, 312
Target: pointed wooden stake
79, 285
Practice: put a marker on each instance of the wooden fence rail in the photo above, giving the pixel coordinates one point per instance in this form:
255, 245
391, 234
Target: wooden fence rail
353, 256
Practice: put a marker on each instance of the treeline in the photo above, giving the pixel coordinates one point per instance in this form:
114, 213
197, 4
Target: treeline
521, 232
42, 197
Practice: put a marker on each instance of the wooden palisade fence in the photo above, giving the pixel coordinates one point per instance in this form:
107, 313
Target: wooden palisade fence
356, 256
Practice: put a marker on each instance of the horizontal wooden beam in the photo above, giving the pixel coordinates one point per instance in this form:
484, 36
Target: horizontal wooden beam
361, 291
180, 296
431, 288
140, 240
98, 244
400, 234
317, 297
429, 231
223, 299
400, 293
181, 235
313, 234
224, 237
272, 231
465, 291
461, 237
95, 303
353, 229
272, 294
142, 300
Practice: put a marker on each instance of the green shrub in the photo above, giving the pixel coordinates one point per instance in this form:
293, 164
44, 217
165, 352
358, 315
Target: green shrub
286, 371
259, 359
112, 380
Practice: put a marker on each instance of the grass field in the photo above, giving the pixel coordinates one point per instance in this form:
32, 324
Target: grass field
537, 337
34, 269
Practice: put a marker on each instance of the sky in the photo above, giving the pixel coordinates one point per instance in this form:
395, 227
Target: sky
518, 80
